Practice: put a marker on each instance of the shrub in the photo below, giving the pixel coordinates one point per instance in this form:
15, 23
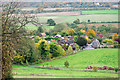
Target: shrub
95, 47
51, 22
76, 47
75, 38
27, 52
70, 50
95, 68
64, 53
116, 69
55, 50
37, 38
116, 46
81, 41
43, 48
77, 21
66, 64
70, 32
105, 47
18, 59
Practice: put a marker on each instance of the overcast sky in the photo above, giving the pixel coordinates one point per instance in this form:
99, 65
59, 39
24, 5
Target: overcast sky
60, 0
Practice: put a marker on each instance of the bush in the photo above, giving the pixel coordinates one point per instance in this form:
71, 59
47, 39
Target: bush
95, 68
77, 21
66, 64
105, 47
37, 38
26, 53
44, 49
54, 50
18, 59
116, 69
76, 47
70, 50
75, 38
116, 46
81, 41
95, 47
51, 22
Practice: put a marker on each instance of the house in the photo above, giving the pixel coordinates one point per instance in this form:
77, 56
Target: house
95, 43
42, 35
100, 35
67, 42
57, 36
111, 34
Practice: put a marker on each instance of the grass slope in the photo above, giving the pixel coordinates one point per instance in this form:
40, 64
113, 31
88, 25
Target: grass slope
97, 57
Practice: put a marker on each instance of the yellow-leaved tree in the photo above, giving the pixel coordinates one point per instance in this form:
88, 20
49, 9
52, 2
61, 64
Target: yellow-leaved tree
91, 33
70, 31
115, 36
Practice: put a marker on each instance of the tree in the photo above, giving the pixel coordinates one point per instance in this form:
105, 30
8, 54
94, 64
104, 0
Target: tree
55, 50
13, 33
91, 33
81, 41
115, 36
60, 27
75, 38
70, 50
70, 32
44, 49
88, 21
76, 47
51, 22
77, 21
39, 30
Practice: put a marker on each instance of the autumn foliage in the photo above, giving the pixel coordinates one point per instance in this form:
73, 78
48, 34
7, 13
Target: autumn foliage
70, 31
91, 32
115, 36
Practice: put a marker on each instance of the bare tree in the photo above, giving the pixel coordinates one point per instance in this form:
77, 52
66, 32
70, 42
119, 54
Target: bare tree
12, 33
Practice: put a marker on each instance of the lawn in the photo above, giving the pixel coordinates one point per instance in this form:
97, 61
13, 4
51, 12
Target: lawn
70, 19
99, 11
97, 57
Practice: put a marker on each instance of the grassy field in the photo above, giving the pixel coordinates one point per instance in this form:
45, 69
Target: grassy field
33, 27
70, 19
99, 11
97, 57
59, 73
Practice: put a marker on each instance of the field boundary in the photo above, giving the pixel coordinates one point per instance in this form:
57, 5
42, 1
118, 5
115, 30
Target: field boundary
86, 70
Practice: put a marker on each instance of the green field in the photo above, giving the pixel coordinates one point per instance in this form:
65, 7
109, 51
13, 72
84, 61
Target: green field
70, 19
99, 11
33, 27
97, 57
